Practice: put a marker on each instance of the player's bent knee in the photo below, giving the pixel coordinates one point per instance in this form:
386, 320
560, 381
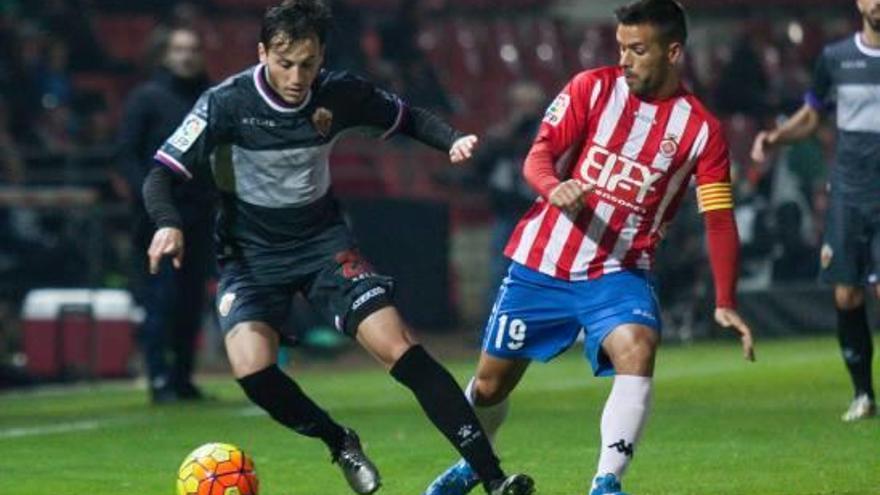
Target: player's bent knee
849, 297
489, 392
251, 348
385, 335
632, 349
390, 355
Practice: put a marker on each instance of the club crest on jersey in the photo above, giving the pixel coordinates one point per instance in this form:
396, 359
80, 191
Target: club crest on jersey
669, 146
556, 110
188, 132
825, 256
225, 305
322, 119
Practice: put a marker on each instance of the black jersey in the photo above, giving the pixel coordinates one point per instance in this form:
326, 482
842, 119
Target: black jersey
847, 77
274, 172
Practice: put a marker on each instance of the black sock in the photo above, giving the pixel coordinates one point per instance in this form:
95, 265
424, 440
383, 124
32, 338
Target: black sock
857, 347
445, 405
282, 398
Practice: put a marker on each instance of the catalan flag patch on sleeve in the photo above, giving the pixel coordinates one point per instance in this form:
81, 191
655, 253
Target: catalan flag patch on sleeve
715, 196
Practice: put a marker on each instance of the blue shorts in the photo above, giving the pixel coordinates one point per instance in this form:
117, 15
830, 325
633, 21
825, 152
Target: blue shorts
538, 317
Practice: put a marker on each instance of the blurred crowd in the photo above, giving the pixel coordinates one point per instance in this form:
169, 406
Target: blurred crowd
62, 85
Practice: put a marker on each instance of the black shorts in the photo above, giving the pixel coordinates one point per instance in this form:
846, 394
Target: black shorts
344, 290
850, 254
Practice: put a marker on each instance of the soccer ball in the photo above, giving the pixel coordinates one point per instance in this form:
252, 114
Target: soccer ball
217, 469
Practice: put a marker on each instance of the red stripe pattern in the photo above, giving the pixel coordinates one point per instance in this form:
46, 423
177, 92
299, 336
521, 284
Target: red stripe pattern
639, 155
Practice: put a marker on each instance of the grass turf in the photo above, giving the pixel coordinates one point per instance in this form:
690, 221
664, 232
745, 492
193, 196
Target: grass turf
719, 426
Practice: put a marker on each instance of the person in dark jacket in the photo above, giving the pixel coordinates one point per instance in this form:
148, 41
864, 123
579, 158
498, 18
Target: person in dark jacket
499, 165
173, 299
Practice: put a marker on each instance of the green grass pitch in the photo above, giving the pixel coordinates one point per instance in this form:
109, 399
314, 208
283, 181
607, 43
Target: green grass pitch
719, 426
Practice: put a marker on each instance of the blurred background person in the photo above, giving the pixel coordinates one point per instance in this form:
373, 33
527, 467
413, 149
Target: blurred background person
173, 299
499, 167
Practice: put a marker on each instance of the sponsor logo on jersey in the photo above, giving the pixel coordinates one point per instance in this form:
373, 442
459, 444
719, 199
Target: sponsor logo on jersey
854, 64
258, 122
188, 132
225, 305
557, 109
626, 181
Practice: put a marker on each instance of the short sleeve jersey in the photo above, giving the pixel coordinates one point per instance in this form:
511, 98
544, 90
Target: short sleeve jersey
847, 78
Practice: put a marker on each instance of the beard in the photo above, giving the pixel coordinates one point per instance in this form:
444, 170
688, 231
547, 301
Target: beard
874, 22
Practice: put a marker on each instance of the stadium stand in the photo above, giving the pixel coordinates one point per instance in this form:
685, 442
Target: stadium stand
64, 90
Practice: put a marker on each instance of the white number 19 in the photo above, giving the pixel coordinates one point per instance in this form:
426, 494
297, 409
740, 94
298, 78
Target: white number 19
516, 333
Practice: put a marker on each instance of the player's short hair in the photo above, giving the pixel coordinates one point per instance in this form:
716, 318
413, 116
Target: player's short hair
295, 20
666, 15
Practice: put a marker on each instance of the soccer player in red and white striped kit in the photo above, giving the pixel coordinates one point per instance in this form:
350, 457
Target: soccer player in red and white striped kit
612, 161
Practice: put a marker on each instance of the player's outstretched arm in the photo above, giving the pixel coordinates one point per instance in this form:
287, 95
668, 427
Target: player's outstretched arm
802, 124
428, 128
715, 201
168, 240
723, 244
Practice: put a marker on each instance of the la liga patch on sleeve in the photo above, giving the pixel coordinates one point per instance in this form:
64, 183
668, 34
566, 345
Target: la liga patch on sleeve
188, 132
556, 110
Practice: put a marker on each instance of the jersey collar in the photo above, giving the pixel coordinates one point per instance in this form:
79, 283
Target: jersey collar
867, 50
272, 98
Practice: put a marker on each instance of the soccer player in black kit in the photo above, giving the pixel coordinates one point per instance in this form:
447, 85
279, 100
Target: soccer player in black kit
847, 77
280, 231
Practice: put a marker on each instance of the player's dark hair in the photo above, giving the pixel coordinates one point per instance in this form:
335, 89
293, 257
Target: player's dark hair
296, 20
666, 15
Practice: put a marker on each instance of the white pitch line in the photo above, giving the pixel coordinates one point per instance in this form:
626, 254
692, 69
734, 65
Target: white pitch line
581, 382
32, 431
249, 412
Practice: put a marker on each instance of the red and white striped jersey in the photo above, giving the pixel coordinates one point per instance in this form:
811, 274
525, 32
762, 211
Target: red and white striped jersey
639, 155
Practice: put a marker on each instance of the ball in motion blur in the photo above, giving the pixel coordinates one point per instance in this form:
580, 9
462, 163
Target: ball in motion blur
217, 469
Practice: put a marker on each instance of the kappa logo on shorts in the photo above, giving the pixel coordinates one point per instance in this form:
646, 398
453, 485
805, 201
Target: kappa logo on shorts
225, 305
644, 313
825, 256
366, 296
